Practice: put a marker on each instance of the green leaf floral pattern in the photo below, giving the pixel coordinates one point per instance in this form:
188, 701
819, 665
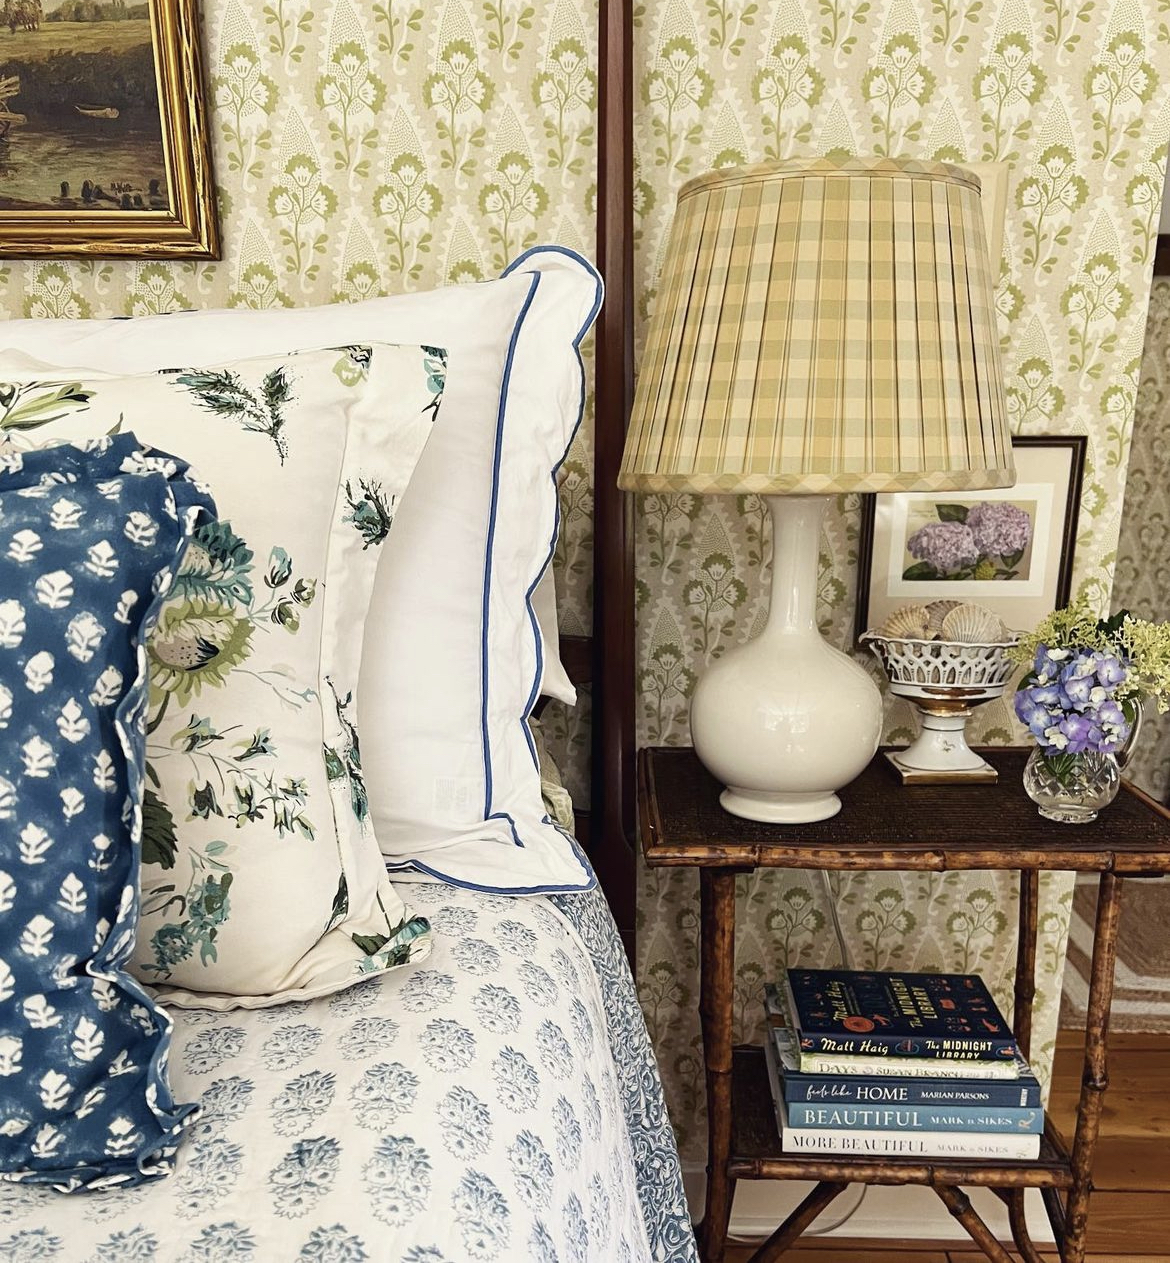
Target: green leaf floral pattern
1142, 582
368, 146
221, 602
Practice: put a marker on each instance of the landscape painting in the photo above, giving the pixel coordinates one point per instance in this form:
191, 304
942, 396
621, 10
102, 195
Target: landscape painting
103, 139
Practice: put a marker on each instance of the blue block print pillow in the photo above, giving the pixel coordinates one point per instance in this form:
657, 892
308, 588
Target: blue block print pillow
90, 538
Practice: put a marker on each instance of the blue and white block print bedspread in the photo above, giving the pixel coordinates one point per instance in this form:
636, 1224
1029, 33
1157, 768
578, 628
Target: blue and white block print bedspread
482, 1106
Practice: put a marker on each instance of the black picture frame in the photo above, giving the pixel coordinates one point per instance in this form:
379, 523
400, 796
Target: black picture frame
1077, 447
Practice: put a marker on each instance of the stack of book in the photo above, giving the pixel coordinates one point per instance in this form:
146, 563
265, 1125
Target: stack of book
894, 1064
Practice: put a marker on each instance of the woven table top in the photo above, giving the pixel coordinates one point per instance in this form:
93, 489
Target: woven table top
884, 824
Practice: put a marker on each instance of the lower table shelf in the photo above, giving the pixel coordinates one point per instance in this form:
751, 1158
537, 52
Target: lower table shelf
755, 1148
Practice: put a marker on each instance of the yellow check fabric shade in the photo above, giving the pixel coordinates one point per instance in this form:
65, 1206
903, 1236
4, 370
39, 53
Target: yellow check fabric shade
823, 326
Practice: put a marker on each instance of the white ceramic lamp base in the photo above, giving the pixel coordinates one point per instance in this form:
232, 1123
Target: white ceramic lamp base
787, 720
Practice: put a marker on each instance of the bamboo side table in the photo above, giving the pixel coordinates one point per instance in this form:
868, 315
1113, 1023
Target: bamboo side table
886, 825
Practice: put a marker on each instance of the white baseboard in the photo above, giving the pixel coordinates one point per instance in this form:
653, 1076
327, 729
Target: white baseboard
908, 1213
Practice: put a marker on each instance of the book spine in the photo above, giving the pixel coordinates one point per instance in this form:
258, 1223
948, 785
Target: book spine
916, 1118
852, 1089
876, 1044
909, 1144
903, 1067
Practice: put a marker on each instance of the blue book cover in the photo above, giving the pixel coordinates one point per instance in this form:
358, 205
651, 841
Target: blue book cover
854, 1089
1022, 1122
874, 1014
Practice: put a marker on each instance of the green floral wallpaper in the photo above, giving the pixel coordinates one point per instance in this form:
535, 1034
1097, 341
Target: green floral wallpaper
1075, 95
1142, 583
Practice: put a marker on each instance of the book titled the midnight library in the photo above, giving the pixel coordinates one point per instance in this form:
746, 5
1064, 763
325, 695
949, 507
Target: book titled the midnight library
892, 1089
874, 1066
859, 1013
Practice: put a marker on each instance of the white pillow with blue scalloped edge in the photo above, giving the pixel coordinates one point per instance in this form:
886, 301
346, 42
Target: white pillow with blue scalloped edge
455, 659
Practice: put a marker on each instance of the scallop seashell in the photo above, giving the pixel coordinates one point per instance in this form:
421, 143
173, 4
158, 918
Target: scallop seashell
972, 625
937, 611
907, 623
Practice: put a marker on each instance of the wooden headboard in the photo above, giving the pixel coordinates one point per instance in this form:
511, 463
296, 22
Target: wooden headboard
605, 661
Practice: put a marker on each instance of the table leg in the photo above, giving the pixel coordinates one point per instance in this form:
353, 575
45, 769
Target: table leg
959, 1204
1096, 1076
1018, 1219
716, 1007
1025, 990
804, 1216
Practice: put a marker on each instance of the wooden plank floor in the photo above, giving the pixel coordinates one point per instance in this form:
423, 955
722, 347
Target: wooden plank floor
1129, 1219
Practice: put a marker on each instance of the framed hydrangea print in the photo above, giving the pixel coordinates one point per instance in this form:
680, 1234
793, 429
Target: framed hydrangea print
1010, 550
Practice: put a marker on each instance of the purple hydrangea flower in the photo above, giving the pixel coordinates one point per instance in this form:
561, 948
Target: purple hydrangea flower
998, 528
1049, 662
1110, 669
944, 545
1068, 701
1078, 680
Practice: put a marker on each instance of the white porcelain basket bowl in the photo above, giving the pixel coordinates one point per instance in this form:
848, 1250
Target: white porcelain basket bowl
943, 668
944, 680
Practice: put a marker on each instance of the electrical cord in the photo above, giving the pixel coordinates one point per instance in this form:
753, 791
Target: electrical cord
831, 896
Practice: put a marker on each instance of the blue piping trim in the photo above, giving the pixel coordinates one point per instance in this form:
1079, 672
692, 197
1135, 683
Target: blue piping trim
556, 469
491, 539
534, 692
431, 871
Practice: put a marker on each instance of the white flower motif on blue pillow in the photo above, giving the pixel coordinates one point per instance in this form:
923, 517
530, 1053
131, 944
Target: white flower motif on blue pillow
90, 539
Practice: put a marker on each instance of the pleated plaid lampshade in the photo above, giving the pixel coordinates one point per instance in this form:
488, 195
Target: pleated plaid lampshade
823, 326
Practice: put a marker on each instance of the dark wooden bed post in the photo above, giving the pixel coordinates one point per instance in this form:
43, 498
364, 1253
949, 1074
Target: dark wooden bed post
613, 805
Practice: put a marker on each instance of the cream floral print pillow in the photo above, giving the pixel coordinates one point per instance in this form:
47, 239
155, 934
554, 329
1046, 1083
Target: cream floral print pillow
262, 880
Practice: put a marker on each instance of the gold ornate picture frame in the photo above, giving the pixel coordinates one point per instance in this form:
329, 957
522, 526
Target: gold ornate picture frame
103, 131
